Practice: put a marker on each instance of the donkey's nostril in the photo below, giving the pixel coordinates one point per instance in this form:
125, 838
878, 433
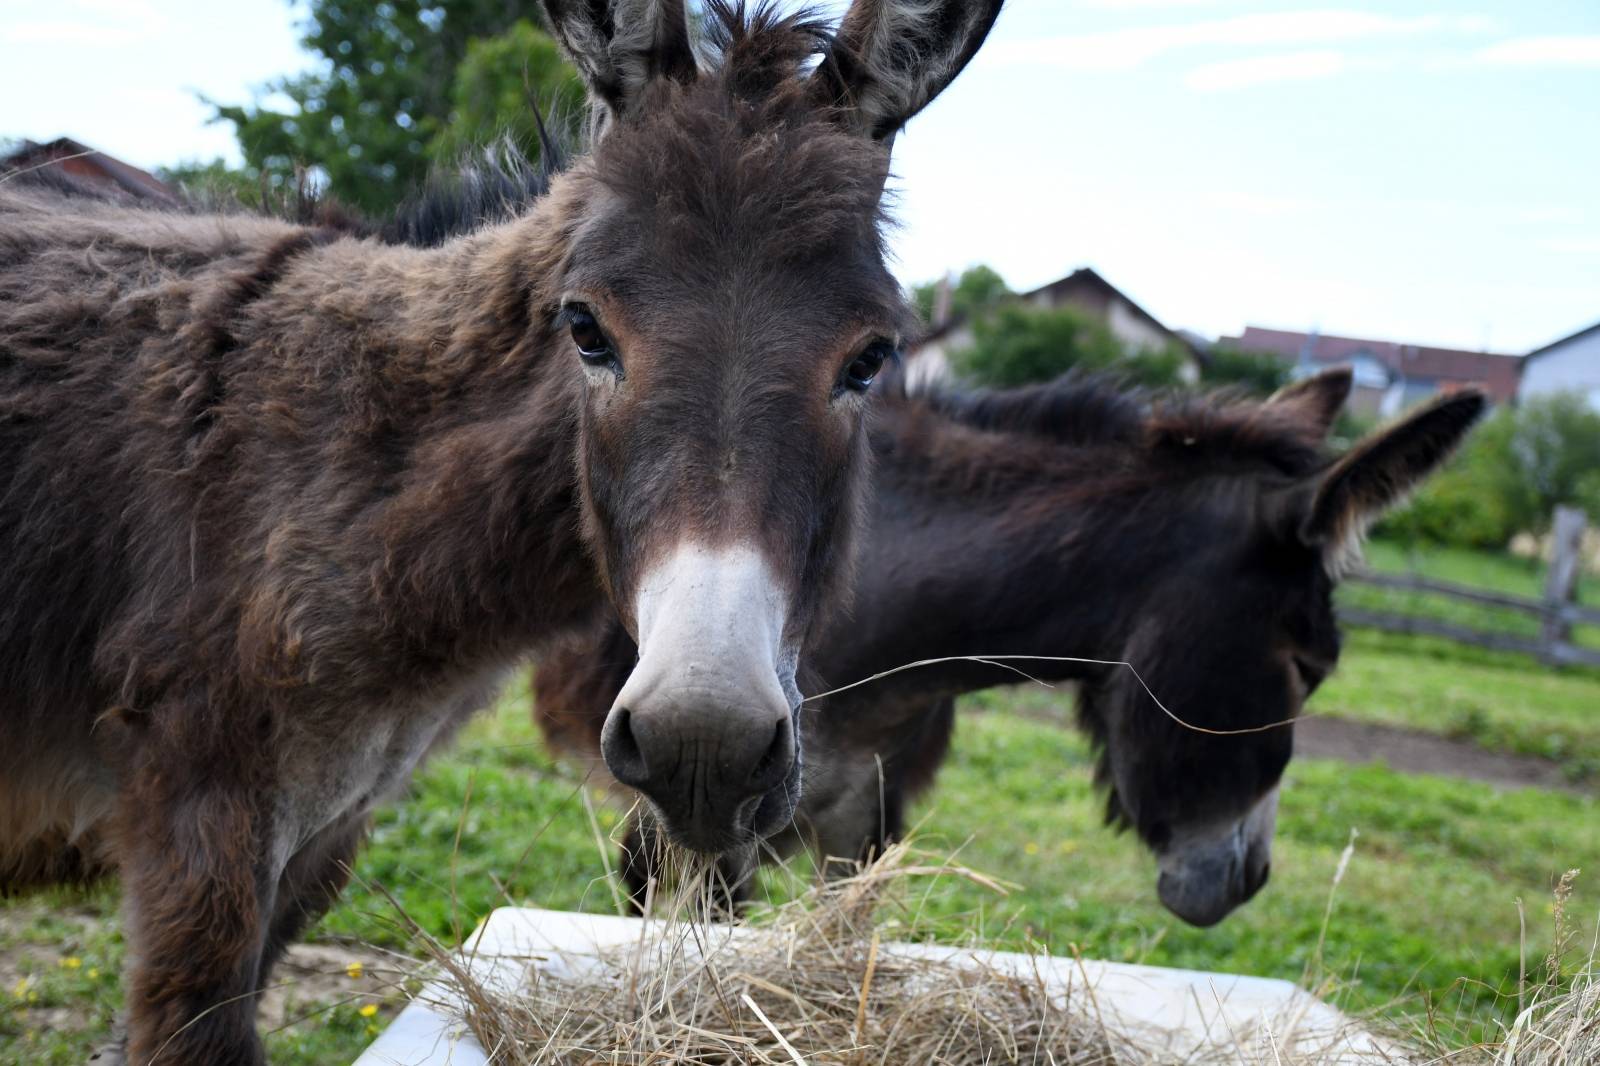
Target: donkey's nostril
621, 750
774, 763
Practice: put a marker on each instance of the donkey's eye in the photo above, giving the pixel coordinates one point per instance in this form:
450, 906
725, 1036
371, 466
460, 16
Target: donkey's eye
1311, 674
591, 340
857, 377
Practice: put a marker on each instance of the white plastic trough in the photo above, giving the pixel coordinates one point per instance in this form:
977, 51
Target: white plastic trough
1189, 1008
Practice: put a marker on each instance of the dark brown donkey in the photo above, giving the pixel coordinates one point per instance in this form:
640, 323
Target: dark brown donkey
1199, 540
278, 506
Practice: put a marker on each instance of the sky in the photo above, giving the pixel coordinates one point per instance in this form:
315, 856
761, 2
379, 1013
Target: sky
1423, 172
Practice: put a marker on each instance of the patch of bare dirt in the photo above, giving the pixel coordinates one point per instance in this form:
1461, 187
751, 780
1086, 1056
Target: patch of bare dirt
1412, 751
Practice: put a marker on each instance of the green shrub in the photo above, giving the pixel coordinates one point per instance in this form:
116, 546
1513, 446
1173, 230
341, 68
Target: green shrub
1014, 345
1259, 373
1513, 472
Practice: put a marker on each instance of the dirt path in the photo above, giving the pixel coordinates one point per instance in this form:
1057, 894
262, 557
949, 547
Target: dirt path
1415, 752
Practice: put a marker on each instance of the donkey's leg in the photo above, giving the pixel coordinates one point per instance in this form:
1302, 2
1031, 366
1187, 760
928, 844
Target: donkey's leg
310, 884
198, 889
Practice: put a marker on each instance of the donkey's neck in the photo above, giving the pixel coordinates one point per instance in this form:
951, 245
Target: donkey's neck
985, 543
446, 416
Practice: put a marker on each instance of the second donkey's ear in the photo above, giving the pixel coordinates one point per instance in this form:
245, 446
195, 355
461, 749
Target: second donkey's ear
891, 57
620, 46
1316, 400
1383, 468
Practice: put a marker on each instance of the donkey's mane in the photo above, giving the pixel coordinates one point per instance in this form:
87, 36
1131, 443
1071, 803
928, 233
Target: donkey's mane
1097, 409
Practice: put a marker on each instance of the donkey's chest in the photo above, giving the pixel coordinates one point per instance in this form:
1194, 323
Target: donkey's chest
333, 769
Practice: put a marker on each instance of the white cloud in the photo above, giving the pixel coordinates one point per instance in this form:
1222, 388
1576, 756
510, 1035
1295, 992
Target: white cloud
1576, 50
1264, 70
1125, 49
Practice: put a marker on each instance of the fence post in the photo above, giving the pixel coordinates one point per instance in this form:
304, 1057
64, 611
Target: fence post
1561, 581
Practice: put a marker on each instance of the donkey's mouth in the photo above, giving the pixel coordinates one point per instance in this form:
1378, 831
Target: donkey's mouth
755, 819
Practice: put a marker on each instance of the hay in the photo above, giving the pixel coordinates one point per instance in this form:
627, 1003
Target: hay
816, 981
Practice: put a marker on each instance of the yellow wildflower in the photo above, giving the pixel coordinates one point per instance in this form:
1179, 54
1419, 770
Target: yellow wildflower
93, 974
368, 1010
353, 970
1031, 848
71, 962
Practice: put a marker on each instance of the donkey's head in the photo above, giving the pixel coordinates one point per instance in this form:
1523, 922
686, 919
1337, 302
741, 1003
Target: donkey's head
724, 286
1239, 629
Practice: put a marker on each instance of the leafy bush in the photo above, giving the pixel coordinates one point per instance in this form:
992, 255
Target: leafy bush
1015, 345
1259, 373
1515, 469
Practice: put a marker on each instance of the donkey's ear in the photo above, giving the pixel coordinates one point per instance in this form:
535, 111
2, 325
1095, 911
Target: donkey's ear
620, 46
1317, 400
1383, 467
891, 57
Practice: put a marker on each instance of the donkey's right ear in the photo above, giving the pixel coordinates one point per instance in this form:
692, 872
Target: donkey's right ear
1383, 468
620, 46
891, 57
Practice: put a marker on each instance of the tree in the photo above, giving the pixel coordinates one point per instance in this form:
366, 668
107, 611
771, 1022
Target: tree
384, 105
213, 183
1015, 345
977, 290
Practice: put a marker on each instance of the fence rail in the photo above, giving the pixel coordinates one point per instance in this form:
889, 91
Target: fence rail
1558, 609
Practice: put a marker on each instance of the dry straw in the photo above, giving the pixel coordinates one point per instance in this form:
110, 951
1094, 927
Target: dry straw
816, 982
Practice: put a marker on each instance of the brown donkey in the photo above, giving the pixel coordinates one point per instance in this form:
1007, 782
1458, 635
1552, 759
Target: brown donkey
278, 506
1198, 539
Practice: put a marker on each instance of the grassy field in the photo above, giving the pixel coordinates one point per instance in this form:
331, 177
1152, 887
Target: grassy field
1426, 915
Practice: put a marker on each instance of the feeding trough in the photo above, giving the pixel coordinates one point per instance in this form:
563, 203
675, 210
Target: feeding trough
812, 986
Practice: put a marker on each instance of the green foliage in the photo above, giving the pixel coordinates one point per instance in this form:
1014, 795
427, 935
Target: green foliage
977, 290
385, 103
1014, 345
498, 86
1509, 478
1259, 373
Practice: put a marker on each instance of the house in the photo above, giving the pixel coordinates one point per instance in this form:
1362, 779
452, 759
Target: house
1083, 289
82, 166
1389, 376
1571, 364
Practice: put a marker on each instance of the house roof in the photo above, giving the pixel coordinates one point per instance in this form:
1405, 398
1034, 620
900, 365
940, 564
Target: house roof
1497, 373
1553, 345
1089, 278
79, 162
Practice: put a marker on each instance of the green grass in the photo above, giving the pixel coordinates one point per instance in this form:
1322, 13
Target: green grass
1429, 899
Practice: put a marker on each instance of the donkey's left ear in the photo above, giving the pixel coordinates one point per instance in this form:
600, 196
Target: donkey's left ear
891, 57
1384, 467
620, 46
1316, 400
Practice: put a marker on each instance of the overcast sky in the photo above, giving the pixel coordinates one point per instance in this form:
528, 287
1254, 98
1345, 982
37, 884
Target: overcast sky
1419, 172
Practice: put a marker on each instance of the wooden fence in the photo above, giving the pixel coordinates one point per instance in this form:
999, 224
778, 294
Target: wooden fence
1557, 610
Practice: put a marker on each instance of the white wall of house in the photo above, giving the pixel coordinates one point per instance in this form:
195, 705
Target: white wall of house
1572, 365
1135, 332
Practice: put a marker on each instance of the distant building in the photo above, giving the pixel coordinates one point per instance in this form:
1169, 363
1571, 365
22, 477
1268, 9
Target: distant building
1389, 376
1083, 289
1571, 364
82, 166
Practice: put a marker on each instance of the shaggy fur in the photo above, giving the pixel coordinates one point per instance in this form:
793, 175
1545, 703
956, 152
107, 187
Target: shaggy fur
280, 503
1074, 519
